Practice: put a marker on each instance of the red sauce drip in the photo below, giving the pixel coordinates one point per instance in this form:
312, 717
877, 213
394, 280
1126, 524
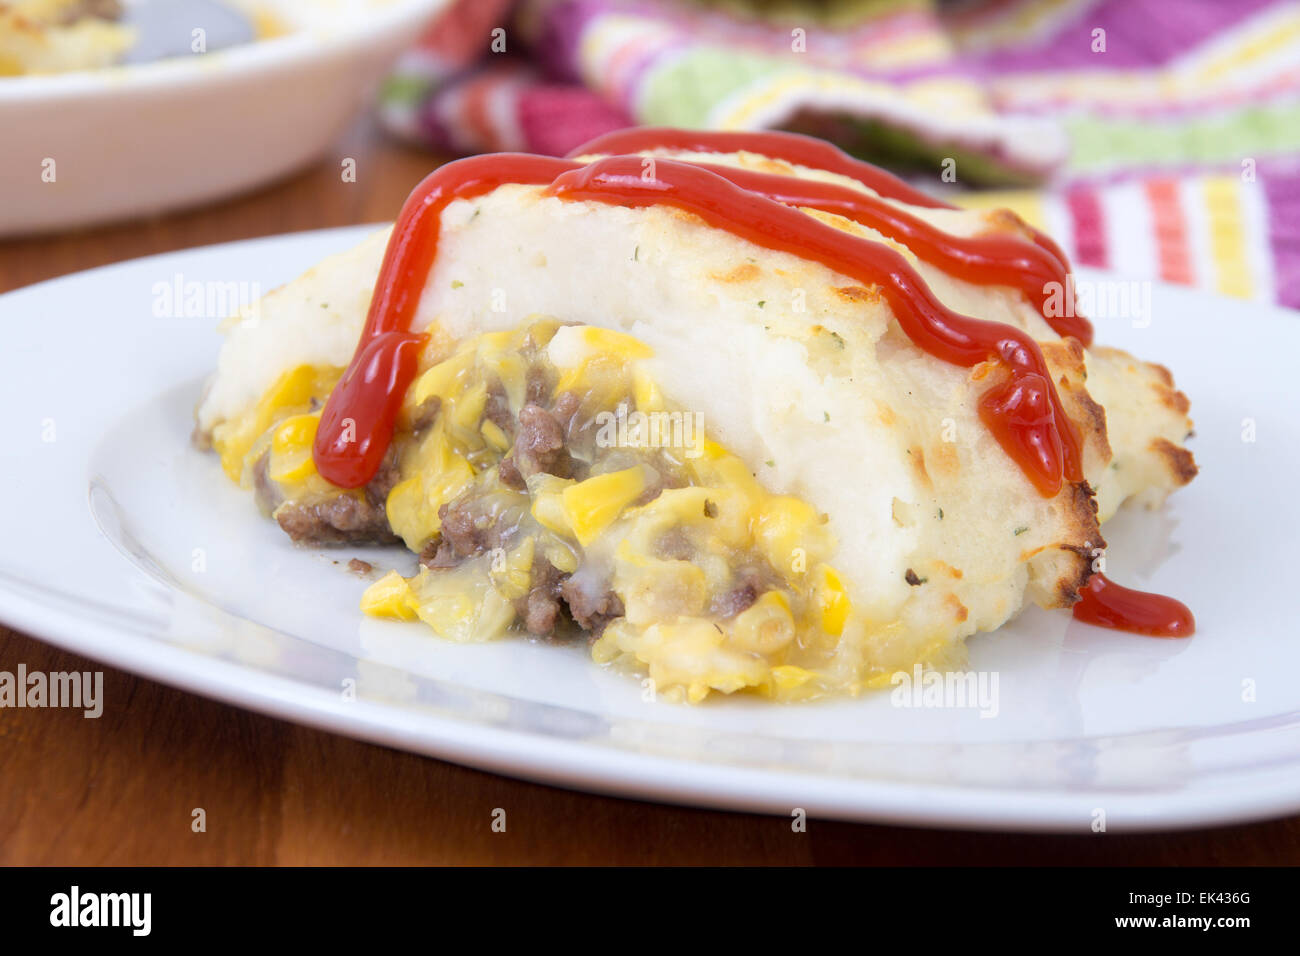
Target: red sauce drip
790, 147
981, 260
357, 422
985, 257
1023, 412
1107, 604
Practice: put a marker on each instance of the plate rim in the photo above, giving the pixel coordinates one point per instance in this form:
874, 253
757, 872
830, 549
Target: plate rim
557, 762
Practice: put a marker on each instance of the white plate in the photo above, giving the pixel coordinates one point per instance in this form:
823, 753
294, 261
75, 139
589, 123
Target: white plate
138, 139
124, 544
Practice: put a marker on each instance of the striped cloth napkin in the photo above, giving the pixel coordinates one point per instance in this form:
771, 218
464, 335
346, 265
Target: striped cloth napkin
1155, 138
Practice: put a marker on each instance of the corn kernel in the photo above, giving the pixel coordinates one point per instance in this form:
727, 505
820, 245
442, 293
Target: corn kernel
292, 391
548, 503
439, 475
494, 436
461, 605
617, 344
676, 506
467, 407
646, 392
788, 677
764, 627
593, 505
514, 577
782, 527
719, 469
832, 600
389, 597
291, 449
562, 557
440, 380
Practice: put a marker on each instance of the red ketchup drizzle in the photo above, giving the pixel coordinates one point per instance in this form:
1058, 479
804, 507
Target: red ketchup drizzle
1107, 604
357, 422
790, 147
981, 260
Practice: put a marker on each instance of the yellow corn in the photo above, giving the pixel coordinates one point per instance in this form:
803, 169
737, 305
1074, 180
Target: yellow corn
291, 449
646, 392
764, 627
510, 368
389, 597
439, 476
548, 503
832, 600
720, 469
593, 505
494, 436
783, 527
562, 557
788, 677
573, 379
467, 408
668, 626
514, 577
440, 380
615, 344
291, 392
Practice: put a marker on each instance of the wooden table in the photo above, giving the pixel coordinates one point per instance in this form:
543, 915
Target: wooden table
120, 790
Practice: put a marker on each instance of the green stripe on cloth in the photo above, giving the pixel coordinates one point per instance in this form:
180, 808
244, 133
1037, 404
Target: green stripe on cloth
685, 91
1101, 144
404, 89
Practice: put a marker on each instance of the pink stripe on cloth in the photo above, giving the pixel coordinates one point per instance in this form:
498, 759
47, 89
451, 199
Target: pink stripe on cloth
1170, 228
1089, 227
1282, 188
556, 118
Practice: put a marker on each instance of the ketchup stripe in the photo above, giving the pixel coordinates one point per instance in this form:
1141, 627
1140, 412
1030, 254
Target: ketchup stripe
981, 260
788, 147
800, 150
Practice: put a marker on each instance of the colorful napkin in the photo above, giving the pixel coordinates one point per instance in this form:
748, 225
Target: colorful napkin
1156, 138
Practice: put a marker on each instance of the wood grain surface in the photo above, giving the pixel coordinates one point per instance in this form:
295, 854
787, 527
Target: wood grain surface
121, 789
